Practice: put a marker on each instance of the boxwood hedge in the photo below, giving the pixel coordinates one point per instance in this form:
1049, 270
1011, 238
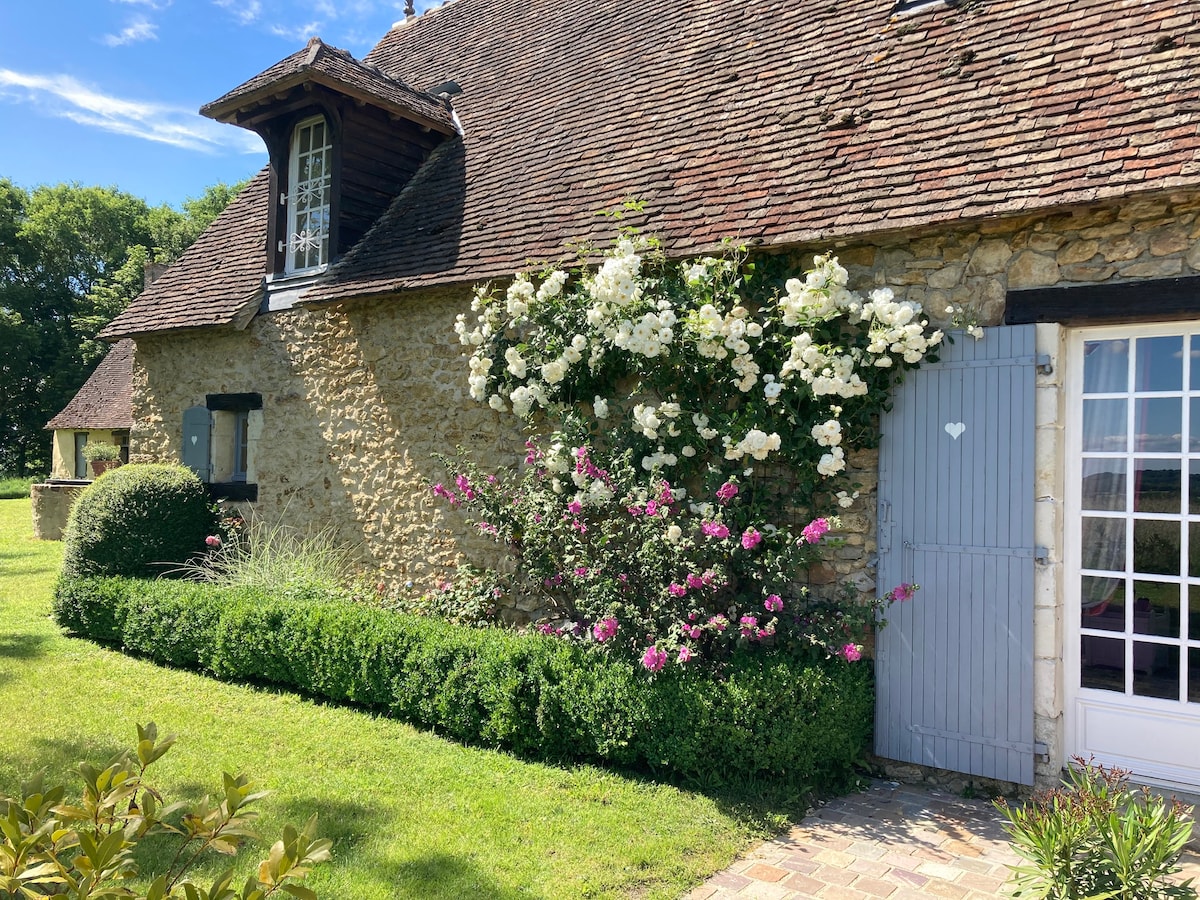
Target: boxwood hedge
803, 724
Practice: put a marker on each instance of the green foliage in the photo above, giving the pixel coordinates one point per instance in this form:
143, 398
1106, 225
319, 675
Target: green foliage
15, 488
279, 560
137, 520
1095, 839
71, 258
50, 846
102, 451
800, 722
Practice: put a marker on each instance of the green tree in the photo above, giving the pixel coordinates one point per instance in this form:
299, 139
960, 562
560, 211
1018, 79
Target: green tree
71, 258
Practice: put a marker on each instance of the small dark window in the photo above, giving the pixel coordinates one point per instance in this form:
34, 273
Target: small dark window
241, 444
81, 466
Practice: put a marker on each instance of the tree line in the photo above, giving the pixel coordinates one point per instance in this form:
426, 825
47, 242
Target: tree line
71, 258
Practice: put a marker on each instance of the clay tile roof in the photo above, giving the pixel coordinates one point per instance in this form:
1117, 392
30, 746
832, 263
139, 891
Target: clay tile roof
780, 121
106, 398
217, 278
335, 68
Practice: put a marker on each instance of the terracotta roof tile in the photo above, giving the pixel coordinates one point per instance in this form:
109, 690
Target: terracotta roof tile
775, 120
106, 398
214, 280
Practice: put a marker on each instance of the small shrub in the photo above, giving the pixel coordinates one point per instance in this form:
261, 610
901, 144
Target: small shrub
766, 716
138, 520
87, 849
1096, 838
100, 451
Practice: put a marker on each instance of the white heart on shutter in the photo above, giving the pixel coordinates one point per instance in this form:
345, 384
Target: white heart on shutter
194, 438
955, 429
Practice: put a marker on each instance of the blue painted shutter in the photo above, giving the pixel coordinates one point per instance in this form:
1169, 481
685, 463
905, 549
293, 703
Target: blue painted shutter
197, 435
956, 492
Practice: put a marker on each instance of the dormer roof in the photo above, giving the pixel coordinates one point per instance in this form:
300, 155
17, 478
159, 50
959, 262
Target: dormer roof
335, 69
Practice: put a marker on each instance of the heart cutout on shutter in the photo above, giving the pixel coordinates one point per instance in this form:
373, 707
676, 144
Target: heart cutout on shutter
955, 429
194, 438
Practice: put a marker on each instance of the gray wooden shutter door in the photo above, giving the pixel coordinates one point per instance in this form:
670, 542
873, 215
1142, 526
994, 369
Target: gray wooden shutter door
197, 435
954, 665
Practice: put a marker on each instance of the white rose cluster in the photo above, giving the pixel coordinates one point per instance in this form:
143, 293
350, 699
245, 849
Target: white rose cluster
756, 443
828, 372
897, 328
828, 433
650, 336
820, 296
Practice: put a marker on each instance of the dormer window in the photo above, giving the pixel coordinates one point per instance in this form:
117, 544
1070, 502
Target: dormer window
309, 196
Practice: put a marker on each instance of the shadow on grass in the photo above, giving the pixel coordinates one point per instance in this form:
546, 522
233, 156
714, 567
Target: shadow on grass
22, 646
60, 759
352, 827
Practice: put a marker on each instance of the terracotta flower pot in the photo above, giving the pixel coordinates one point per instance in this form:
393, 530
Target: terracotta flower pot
100, 466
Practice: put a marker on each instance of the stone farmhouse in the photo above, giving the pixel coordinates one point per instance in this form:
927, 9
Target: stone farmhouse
1035, 162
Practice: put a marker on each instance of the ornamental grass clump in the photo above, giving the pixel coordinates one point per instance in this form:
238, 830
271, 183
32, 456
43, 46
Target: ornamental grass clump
663, 403
1096, 839
275, 559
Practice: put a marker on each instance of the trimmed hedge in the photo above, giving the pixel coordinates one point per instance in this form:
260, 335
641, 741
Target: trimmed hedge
796, 723
137, 520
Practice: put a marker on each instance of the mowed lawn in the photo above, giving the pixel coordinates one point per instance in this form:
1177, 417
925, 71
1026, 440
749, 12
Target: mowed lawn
410, 815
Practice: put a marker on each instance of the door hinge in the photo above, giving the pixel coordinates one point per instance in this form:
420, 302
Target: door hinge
1045, 365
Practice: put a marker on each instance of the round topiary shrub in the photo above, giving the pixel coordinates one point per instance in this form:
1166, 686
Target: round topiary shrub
137, 521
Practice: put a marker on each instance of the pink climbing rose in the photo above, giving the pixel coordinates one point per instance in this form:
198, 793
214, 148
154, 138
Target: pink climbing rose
715, 529
213, 541
654, 659
751, 538
851, 653
676, 590
903, 591
685, 654
814, 531
605, 629
773, 603
727, 492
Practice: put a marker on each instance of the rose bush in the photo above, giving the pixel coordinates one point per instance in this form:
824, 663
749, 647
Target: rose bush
653, 392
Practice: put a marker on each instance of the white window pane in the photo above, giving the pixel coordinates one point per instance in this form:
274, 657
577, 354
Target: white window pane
1105, 367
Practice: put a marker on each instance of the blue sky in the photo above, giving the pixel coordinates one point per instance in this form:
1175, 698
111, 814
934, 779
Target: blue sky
106, 91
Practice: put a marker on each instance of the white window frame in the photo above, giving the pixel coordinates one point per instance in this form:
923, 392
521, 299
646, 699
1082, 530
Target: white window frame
297, 238
1140, 733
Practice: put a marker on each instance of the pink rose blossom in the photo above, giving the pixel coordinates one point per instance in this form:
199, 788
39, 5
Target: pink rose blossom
605, 628
676, 590
715, 529
581, 570
727, 492
574, 507
904, 591
654, 659
851, 653
773, 603
635, 511
651, 508
751, 538
685, 654
719, 622
695, 582
749, 625
692, 631
213, 541
814, 530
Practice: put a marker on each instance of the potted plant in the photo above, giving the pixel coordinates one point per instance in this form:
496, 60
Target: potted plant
102, 456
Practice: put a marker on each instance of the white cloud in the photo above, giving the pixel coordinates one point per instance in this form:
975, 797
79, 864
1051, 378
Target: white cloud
245, 11
138, 29
152, 4
67, 98
299, 33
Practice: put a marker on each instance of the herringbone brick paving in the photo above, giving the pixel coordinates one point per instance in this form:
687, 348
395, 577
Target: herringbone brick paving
895, 841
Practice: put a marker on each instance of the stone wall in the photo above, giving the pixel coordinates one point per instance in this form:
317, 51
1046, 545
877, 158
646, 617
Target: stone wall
51, 508
356, 402
358, 398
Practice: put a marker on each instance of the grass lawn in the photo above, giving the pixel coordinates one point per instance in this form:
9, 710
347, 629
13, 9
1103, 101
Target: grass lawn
410, 815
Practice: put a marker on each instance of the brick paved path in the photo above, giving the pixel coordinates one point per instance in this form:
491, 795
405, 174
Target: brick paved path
894, 841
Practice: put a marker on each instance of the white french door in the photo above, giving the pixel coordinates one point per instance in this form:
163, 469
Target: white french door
1133, 549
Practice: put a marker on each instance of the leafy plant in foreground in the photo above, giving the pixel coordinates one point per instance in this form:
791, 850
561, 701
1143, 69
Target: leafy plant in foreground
1096, 839
51, 847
